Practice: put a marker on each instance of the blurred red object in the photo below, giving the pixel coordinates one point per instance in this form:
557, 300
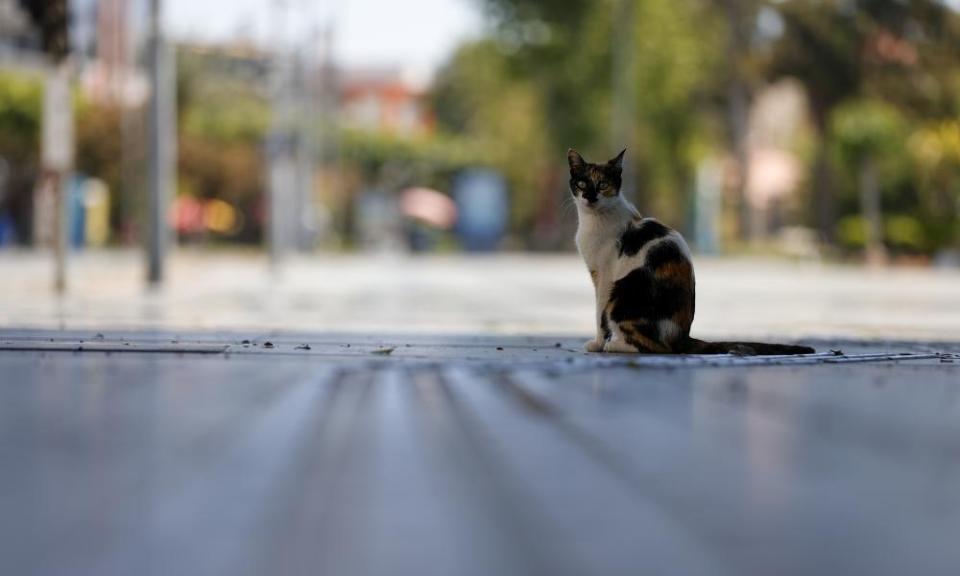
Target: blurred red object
188, 215
429, 206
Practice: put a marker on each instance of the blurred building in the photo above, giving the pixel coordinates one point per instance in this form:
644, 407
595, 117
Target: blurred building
774, 171
383, 100
106, 33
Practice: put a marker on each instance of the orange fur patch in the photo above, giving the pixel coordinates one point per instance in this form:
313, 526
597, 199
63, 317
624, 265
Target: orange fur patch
634, 337
681, 274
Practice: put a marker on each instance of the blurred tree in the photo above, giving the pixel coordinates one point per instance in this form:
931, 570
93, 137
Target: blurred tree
820, 46
869, 134
98, 147
223, 116
901, 52
549, 66
679, 79
477, 95
935, 152
20, 114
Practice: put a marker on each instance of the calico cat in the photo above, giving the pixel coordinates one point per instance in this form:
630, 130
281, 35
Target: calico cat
642, 272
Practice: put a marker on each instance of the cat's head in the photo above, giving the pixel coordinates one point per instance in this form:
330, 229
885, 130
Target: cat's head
595, 186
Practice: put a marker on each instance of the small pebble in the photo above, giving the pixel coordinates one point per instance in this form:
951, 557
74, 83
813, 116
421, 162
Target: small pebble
268, 344
303, 347
500, 348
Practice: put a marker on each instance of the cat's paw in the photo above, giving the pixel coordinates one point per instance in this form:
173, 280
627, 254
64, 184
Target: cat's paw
593, 346
619, 347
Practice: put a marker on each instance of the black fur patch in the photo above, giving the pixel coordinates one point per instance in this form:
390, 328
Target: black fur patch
646, 329
605, 327
662, 254
634, 238
641, 296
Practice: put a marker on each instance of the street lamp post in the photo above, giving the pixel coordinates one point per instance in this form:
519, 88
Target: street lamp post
160, 146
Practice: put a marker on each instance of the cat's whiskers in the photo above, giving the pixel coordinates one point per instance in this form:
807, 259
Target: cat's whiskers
569, 205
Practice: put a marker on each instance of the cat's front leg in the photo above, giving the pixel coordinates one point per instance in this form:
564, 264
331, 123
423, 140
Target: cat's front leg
596, 345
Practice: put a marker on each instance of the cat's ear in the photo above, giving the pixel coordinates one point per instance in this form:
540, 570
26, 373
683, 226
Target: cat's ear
575, 159
618, 161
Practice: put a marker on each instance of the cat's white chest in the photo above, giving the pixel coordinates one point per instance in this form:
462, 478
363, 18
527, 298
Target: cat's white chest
597, 247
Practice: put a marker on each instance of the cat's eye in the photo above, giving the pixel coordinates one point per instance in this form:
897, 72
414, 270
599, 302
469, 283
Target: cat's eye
581, 184
604, 185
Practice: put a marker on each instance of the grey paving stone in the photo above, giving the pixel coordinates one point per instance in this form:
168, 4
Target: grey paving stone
449, 456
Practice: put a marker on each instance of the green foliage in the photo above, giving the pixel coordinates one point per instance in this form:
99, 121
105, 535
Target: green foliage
901, 232
868, 128
244, 120
223, 118
675, 81
543, 82
934, 149
220, 96
20, 113
479, 98
906, 233
20, 107
393, 162
879, 74
99, 150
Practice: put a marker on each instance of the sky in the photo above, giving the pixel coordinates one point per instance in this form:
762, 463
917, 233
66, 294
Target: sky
417, 35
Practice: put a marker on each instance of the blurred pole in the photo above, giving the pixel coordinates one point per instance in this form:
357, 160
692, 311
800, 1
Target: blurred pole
278, 165
328, 152
274, 172
738, 110
307, 126
160, 145
305, 150
57, 155
59, 183
624, 117
57, 146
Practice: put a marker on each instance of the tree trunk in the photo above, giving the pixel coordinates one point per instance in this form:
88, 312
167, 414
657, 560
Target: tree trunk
875, 252
822, 193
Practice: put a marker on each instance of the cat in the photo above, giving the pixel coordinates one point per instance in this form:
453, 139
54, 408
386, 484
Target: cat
642, 272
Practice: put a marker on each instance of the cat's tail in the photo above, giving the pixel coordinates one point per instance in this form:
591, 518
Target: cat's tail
694, 346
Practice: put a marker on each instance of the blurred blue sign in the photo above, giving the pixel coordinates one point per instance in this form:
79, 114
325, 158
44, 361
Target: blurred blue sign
482, 208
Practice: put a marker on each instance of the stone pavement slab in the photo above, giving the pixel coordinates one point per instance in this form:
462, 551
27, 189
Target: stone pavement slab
254, 452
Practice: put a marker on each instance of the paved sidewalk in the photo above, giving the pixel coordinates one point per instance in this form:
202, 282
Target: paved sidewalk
499, 294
